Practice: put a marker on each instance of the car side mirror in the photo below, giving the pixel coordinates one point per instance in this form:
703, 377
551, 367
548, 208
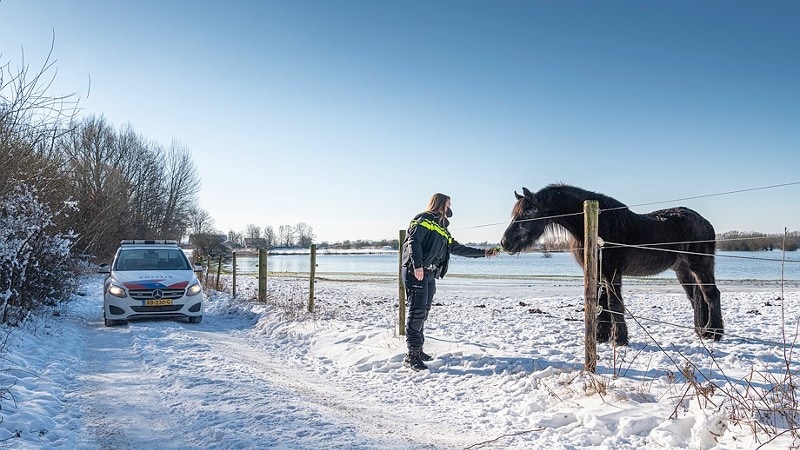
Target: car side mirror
104, 268
198, 268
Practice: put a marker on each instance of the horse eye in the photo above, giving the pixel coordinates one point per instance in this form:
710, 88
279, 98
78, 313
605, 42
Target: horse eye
526, 214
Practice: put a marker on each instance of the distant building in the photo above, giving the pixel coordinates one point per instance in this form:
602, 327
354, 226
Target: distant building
255, 243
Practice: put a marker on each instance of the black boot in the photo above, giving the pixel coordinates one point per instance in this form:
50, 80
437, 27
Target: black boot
424, 356
414, 361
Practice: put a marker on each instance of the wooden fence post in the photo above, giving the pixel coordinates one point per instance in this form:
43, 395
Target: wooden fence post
234, 275
219, 270
401, 285
590, 276
311, 279
262, 275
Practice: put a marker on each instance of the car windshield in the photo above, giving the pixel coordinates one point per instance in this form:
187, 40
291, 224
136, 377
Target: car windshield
151, 259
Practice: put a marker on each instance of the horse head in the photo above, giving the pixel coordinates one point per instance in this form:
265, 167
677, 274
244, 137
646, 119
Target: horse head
524, 229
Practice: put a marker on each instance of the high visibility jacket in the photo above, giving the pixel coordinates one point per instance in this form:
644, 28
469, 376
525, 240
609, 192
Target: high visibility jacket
428, 245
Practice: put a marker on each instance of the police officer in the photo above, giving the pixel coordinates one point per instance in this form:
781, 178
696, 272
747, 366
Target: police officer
426, 254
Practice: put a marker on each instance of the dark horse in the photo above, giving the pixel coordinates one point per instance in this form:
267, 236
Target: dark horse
635, 244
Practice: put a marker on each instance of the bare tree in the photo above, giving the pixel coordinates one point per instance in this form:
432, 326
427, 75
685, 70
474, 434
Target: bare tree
304, 235
235, 238
31, 121
95, 172
252, 231
181, 186
126, 186
270, 236
208, 243
200, 220
285, 235
144, 171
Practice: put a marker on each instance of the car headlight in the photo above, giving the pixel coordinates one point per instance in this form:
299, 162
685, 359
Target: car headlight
116, 291
194, 289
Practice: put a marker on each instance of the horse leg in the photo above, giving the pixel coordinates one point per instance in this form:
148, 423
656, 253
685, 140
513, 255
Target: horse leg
604, 320
617, 312
692, 290
714, 328
703, 269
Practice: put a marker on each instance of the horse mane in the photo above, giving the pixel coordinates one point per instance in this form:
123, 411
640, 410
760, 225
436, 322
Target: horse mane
555, 232
614, 214
576, 193
605, 202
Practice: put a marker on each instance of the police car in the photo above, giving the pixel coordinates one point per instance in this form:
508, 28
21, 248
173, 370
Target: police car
151, 279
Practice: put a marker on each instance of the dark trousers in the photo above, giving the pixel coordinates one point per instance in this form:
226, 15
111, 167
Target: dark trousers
419, 296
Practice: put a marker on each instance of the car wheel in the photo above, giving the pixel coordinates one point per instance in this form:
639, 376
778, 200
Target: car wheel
196, 319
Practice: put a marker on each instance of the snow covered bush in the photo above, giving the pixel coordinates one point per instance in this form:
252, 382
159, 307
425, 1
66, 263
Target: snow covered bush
34, 255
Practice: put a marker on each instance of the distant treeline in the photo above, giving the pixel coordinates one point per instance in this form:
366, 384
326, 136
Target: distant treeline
753, 241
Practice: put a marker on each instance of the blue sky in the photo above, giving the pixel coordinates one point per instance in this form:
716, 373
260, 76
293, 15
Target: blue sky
348, 115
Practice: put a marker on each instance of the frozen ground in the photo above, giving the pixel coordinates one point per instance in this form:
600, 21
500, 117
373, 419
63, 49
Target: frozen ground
507, 373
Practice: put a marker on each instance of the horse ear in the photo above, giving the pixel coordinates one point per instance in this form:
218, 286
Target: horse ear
517, 195
527, 193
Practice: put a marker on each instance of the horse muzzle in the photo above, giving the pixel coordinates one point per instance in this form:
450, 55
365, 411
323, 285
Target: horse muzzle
506, 248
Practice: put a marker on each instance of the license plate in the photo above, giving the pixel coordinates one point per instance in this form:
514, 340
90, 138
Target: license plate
158, 302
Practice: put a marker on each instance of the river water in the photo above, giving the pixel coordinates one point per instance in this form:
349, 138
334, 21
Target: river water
739, 266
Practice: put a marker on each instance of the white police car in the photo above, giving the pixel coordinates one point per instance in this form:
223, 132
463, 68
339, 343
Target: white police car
151, 279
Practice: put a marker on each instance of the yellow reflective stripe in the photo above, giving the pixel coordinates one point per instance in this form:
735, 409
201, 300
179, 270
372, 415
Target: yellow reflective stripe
433, 226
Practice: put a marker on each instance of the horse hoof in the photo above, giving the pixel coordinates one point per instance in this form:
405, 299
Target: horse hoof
712, 333
621, 342
715, 333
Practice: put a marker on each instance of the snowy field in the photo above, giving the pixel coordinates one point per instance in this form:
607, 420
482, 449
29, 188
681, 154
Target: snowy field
507, 373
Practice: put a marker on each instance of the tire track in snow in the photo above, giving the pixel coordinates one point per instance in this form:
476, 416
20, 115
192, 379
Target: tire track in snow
122, 404
266, 400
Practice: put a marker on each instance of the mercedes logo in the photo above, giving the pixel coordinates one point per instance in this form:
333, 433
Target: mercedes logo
157, 294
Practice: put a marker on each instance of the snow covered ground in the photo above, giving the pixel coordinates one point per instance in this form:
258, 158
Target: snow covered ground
507, 373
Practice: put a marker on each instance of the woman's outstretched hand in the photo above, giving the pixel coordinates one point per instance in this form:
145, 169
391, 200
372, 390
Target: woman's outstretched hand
490, 252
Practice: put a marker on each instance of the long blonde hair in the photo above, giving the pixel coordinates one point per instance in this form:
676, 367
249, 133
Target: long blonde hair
438, 205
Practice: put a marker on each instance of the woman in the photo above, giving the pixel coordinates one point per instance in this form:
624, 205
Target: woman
426, 253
